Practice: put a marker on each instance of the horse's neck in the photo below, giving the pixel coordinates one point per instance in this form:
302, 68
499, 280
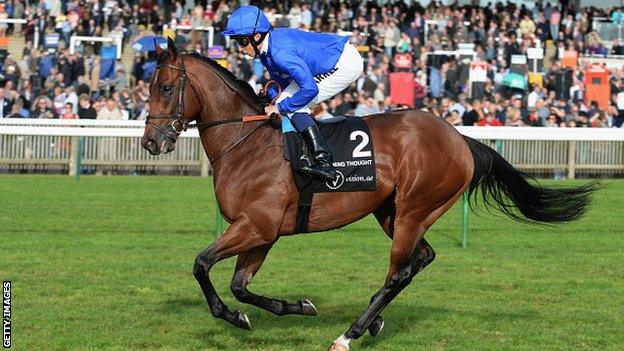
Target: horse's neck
221, 103
218, 140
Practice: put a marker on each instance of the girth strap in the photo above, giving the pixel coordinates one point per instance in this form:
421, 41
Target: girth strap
304, 208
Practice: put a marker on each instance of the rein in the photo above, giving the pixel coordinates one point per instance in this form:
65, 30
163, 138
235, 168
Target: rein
179, 125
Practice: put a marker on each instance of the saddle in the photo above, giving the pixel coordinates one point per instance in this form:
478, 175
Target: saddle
350, 143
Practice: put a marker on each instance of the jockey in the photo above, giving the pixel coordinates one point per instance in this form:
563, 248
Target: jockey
310, 67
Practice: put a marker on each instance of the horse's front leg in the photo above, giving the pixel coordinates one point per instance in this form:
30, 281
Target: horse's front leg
241, 236
246, 267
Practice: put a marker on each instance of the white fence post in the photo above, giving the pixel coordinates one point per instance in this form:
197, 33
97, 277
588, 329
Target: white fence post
204, 164
571, 159
73, 156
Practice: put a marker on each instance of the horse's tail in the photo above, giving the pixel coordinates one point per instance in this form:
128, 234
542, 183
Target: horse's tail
509, 190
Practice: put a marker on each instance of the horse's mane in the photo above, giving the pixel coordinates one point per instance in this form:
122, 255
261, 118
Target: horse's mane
239, 85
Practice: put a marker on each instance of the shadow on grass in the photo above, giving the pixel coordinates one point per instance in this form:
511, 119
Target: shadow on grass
287, 330
291, 330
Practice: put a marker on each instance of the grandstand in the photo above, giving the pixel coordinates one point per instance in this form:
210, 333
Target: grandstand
521, 63
429, 37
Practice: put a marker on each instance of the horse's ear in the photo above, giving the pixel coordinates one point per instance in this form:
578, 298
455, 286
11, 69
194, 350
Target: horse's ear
173, 51
158, 49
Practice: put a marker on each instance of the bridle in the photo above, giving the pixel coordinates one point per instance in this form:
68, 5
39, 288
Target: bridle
178, 125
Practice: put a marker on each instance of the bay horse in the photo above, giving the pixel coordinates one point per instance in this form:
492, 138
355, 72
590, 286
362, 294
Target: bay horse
423, 165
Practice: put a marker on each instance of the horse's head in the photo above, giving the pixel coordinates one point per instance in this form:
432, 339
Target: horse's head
173, 102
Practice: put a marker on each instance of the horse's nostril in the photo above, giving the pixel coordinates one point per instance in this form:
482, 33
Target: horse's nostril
152, 146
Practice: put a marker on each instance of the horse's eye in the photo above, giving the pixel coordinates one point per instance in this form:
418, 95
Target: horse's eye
167, 90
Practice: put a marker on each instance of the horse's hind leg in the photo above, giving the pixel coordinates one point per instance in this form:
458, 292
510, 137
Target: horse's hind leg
406, 262
246, 267
385, 215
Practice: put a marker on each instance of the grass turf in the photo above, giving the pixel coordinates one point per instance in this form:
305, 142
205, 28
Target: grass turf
106, 263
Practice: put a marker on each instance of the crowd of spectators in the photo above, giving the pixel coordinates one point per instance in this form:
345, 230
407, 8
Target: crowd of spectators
45, 83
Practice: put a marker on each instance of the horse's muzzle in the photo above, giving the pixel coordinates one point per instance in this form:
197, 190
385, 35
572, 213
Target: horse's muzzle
151, 145
157, 147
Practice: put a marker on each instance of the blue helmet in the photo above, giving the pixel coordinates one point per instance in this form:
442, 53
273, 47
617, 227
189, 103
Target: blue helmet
247, 20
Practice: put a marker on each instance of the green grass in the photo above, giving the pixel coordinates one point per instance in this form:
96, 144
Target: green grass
106, 263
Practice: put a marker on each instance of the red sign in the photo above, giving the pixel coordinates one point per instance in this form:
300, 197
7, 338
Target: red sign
597, 87
402, 88
403, 61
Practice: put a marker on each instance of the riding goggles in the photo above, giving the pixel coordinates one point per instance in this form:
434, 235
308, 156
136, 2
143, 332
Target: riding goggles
242, 40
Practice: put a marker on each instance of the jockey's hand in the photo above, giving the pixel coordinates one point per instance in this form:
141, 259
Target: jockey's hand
271, 109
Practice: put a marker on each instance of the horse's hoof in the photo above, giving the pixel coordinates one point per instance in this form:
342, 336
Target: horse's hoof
338, 347
376, 326
242, 321
307, 308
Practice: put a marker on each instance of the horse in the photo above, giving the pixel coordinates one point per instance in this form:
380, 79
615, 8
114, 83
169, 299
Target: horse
423, 165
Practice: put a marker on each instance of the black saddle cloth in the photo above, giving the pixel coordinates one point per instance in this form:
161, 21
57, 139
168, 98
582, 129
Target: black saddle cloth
350, 143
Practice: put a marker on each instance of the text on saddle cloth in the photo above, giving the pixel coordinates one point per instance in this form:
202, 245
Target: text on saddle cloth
351, 145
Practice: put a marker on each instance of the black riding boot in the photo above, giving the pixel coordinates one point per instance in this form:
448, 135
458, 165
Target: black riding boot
322, 156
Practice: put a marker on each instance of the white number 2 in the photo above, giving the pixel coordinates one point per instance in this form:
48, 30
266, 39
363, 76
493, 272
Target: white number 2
357, 152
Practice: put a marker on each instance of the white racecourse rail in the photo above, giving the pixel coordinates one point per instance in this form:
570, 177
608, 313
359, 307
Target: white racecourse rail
116, 144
